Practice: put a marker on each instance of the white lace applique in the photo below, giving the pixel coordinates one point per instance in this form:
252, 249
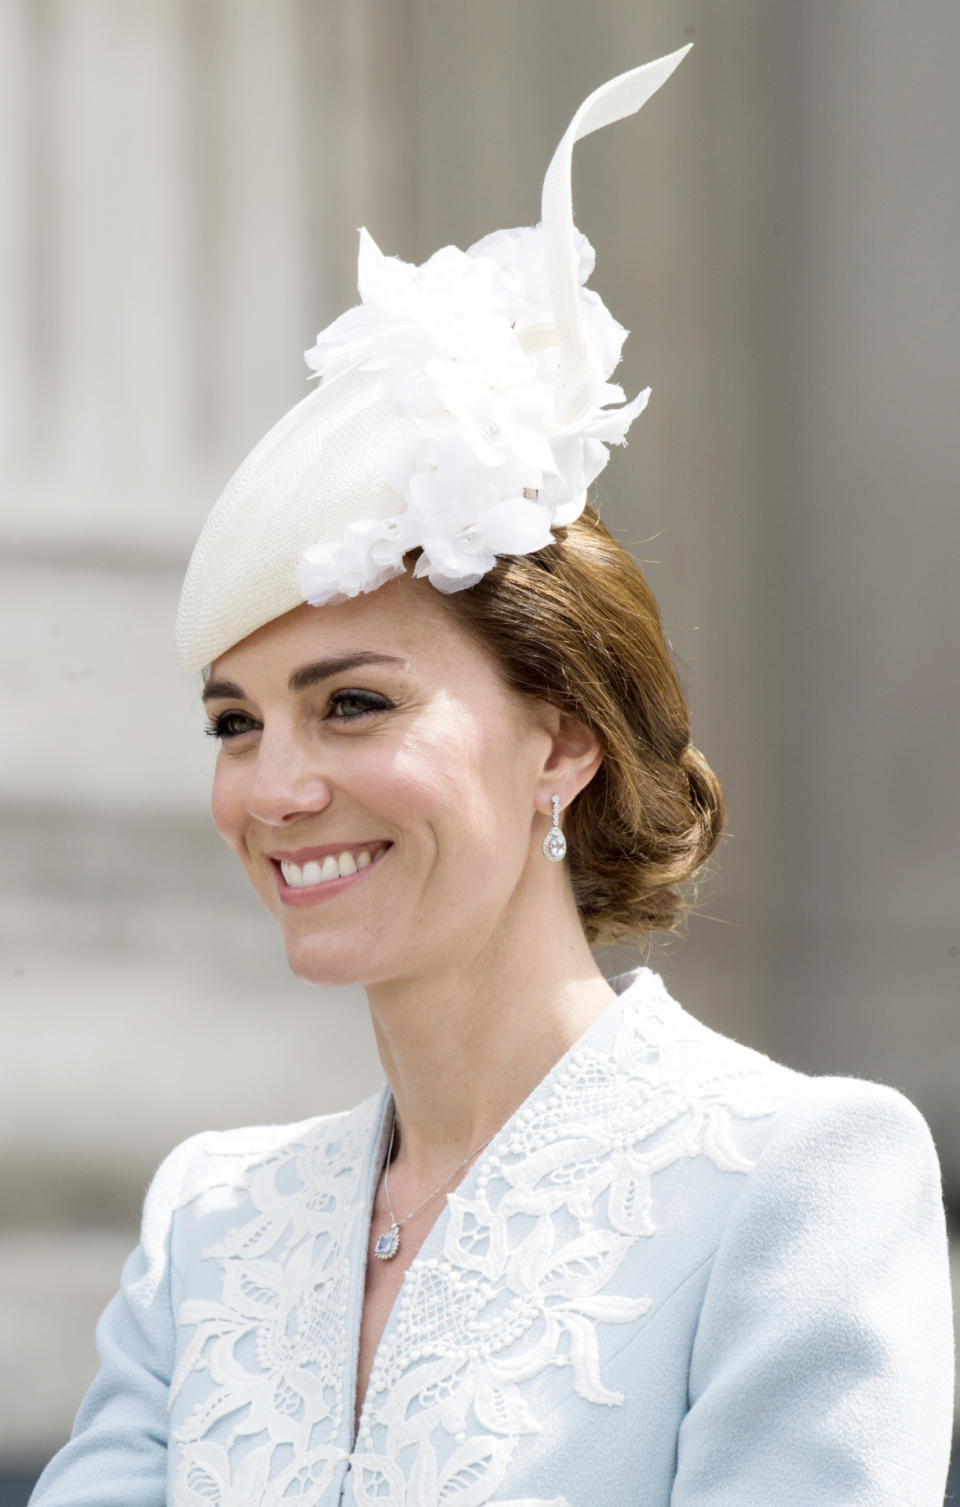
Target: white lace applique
524, 1282
275, 1345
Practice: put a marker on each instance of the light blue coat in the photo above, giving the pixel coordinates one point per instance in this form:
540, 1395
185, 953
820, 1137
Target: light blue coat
680, 1276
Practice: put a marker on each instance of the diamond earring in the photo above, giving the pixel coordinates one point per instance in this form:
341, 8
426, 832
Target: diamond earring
555, 844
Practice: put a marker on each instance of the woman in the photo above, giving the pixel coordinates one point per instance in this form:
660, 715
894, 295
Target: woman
581, 1249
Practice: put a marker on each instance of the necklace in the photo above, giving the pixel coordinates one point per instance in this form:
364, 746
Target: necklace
389, 1242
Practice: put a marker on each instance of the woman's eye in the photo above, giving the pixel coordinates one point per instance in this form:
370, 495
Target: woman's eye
345, 706
231, 725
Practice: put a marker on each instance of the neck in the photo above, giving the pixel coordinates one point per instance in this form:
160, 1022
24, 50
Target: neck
464, 1043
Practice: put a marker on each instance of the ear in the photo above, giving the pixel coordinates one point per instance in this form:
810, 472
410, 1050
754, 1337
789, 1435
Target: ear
575, 754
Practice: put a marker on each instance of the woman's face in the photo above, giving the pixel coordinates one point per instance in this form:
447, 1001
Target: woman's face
378, 782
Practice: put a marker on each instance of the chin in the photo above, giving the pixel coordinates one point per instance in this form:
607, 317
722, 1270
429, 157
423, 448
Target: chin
329, 961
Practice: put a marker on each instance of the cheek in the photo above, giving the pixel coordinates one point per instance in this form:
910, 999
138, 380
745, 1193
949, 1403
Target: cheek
471, 788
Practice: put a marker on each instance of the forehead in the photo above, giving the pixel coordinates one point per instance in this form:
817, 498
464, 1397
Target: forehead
402, 618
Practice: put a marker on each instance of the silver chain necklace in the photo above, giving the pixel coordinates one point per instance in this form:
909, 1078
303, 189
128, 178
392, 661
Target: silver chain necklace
389, 1242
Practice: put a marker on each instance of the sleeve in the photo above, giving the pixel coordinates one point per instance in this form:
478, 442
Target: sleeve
821, 1371
117, 1453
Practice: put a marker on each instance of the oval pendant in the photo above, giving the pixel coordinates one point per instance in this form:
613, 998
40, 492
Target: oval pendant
554, 845
387, 1244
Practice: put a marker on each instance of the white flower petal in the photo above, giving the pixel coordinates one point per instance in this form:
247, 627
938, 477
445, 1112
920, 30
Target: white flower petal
515, 527
533, 449
611, 424
570, 510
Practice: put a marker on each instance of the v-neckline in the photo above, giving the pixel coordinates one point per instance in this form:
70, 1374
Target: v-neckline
360, 1252
466, 1187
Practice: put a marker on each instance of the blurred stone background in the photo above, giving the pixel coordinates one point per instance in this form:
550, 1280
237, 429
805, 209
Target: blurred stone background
180, 189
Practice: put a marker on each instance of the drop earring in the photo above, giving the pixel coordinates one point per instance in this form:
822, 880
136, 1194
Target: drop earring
555, 844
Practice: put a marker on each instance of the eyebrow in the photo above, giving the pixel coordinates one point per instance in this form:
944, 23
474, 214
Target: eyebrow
306, 676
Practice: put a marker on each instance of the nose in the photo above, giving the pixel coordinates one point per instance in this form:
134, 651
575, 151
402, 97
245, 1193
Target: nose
286, 782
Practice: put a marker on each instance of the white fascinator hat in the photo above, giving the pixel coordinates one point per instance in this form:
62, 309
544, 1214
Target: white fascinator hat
463, 408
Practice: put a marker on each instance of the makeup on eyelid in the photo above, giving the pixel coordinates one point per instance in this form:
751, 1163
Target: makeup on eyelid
218, 726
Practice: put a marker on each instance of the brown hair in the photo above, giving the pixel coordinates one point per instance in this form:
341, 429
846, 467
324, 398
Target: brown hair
577, 625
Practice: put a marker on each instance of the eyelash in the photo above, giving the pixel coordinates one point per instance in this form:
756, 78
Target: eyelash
221, 725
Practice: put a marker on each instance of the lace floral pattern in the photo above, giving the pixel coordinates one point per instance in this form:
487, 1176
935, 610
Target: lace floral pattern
522, 1276
275, 1345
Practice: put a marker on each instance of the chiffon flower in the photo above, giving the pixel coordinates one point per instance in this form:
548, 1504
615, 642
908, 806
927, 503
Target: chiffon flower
483, 466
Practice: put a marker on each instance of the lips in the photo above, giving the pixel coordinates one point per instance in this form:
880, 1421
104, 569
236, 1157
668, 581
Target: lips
313, 868
334, 866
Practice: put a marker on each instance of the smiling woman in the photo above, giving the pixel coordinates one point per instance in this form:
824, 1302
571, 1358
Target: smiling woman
580, 1248
429, 761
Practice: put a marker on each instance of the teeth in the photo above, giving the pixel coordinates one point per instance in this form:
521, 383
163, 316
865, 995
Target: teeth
316, 872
